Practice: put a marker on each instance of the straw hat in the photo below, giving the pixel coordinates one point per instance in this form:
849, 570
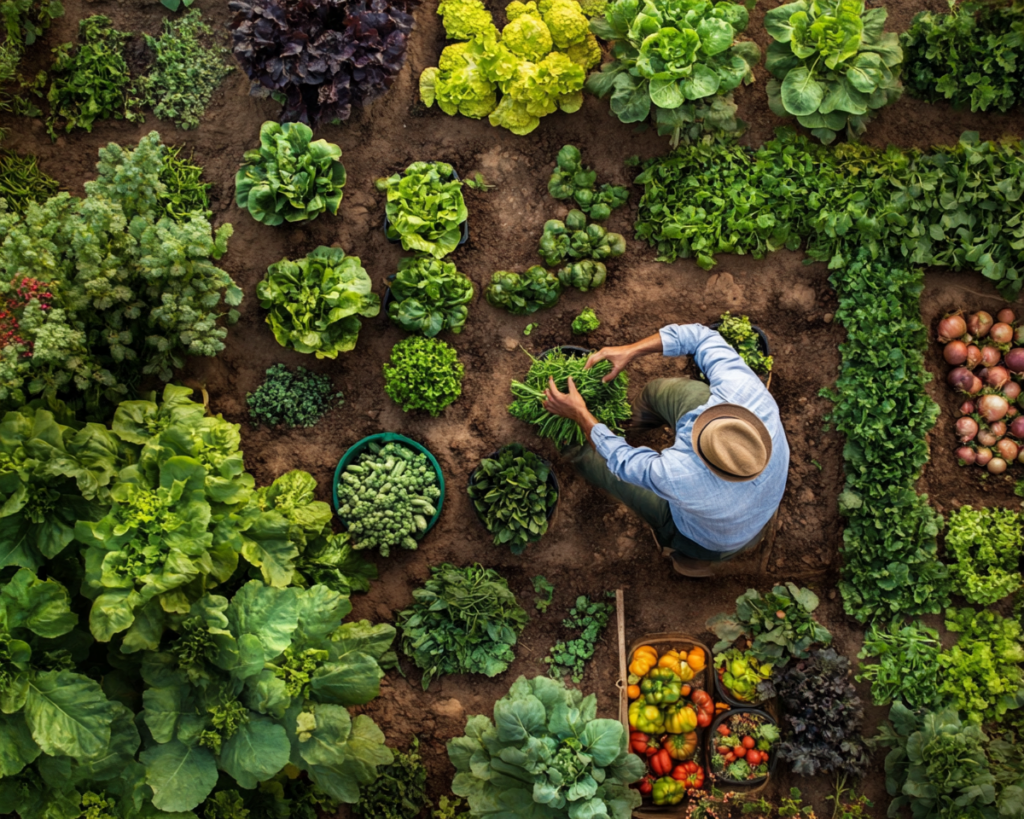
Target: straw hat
732, 441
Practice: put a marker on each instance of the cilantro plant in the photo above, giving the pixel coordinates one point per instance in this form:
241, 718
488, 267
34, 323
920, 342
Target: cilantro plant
891, 566
296, 398
675, 64
423, 374
779, 624
546, 750
425, 208
188, 69
907, 664
429, 296
314, 303
982, 676
523, 293
400, 791
91, 81
291, 177
538, 62
832, 65
106, 304
973, 56
589, 618
463, 621
986, 545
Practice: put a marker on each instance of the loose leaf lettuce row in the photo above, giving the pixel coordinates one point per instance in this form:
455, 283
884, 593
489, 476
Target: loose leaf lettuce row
833, 66
429, 296
314, 303
290, 177
676, 63
425, 208
523, 293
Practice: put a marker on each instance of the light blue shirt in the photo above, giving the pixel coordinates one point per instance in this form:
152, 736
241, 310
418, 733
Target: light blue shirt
719, 515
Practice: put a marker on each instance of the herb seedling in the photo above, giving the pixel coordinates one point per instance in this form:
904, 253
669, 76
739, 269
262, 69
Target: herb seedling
546, 591
589, 618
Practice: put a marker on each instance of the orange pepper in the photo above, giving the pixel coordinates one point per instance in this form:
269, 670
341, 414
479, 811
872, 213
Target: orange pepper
643, 660
695, 659
677, 662
633, 691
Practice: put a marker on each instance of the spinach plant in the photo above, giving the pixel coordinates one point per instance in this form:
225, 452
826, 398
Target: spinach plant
425, 208
675, 63
423, 374
314, 303
832, 65
546, 750
290, 177
296, 398
513, 497
429, 296
463, 621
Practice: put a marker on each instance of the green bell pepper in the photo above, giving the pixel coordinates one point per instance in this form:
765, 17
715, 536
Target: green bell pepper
661, 686
668, 791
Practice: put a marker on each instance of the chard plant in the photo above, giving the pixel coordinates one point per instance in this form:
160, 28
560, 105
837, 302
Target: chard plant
832, 65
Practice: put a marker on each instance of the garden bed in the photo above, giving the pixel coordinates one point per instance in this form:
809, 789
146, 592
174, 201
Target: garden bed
593, 546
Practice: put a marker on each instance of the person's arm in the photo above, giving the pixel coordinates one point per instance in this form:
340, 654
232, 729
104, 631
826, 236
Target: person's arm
727, 373
621, 356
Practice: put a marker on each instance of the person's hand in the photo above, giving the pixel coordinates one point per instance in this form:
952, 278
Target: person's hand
567, 405
618, 356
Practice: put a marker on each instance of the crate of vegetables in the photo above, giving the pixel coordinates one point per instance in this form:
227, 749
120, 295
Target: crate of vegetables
388, 491
670, 709
742, 748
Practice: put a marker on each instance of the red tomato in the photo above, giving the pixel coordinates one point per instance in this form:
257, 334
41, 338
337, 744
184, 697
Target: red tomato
730, 758
739, 752
753, 758
723, 729
748, 742
723, 749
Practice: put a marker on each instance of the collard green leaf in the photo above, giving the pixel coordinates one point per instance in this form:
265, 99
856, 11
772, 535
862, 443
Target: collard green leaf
68, 713
255, 752
181, 776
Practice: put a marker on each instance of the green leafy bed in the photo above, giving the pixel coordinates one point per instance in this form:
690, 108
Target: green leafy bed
702, 200
296, 398
210, 609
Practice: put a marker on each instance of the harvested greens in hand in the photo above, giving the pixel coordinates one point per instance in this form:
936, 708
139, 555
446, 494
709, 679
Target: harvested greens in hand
512, 496
463, 621
607, 402
387, 496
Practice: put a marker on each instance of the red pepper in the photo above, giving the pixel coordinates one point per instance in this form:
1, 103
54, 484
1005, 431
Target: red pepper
690, 774
638, 742
661, 763
705, 707
646, 785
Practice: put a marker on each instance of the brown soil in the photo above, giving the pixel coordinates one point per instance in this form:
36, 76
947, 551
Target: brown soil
593, 546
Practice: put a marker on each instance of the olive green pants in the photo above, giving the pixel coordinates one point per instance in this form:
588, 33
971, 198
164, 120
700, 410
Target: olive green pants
662, 403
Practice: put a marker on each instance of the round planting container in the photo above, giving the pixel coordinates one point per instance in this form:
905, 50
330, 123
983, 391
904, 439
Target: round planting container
720, 778
396, 239
722, 694
552, 482
764, 345
382, 438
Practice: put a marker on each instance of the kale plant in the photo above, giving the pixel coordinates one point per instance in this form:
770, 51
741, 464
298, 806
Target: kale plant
423, 374
824, 715
188, 70
296, 398
546, 752
320, 58
986, 545
290, 177
463, 621
779, 624
314, 303
107, 302
92, 81
428, 296
589, 618
400, 791
832, 65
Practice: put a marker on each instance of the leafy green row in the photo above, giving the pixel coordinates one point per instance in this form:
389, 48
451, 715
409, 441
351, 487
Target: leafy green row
954, 207
891, 564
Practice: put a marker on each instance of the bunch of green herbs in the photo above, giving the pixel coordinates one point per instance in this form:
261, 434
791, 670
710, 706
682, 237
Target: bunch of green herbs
985, 545
295, 398
400, 791
91, 81
738, 331
425, 208
514, 496
589, 618
463, 621
423, 374
779, 625
188, 69
907, 667
607, 402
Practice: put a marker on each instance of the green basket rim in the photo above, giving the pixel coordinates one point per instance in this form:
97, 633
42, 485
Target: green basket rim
388, 437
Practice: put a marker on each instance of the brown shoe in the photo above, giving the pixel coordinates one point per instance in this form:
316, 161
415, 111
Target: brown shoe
688, 567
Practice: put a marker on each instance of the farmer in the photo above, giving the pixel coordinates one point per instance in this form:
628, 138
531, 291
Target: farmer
714, 493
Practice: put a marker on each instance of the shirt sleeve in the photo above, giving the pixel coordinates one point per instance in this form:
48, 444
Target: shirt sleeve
640, 466
729, 376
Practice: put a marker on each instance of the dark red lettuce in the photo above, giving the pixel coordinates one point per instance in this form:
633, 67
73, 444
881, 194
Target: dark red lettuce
319, 58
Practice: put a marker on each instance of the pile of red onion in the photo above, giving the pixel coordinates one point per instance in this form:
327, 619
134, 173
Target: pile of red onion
987, 367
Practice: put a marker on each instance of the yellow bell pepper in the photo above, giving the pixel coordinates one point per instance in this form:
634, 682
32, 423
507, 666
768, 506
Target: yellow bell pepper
677, 662
696, 659
680, 718
644, 659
